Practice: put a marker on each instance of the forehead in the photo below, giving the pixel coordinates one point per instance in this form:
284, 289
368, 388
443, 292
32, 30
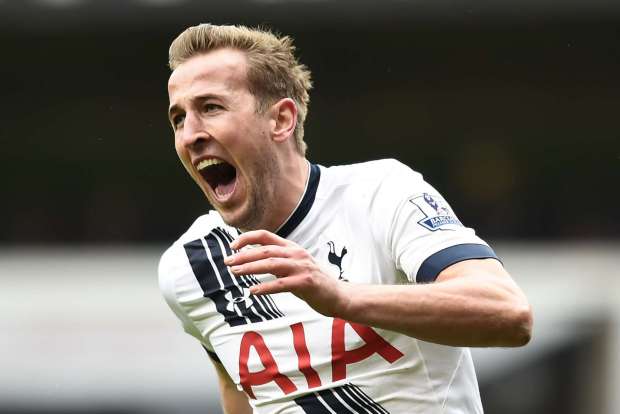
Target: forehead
215, 71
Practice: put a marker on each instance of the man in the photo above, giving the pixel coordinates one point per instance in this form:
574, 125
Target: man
349, 289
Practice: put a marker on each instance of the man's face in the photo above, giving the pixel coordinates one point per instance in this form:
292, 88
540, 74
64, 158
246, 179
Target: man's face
220, 138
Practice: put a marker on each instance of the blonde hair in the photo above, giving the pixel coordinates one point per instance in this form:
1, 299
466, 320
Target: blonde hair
273, 71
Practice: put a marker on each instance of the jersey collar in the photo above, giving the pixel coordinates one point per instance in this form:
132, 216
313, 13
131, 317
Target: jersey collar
302, 209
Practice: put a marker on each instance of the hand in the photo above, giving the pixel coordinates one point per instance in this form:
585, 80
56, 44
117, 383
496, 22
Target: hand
295, 269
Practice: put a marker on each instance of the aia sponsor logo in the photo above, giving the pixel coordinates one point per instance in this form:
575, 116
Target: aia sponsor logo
341, 357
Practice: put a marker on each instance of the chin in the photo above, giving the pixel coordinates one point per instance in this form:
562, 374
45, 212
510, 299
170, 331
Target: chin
246, 215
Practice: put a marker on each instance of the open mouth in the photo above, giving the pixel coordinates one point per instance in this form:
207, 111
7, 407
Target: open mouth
220, 175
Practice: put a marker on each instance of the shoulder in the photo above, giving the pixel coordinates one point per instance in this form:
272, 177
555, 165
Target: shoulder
202, 226
375, 171
177, 280
174, 261
369, 169
371, 177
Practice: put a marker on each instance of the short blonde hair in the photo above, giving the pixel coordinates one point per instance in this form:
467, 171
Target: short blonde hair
273, 71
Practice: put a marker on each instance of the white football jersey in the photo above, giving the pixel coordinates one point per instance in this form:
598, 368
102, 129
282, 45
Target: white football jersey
372, 223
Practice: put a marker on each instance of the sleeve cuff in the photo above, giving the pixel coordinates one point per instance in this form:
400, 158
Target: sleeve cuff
434, 264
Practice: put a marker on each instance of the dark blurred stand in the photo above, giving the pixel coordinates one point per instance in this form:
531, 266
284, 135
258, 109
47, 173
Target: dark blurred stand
509, 110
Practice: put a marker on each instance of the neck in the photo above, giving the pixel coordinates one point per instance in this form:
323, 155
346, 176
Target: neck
287, 192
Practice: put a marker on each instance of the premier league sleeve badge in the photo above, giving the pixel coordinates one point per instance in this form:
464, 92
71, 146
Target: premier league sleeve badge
437, 214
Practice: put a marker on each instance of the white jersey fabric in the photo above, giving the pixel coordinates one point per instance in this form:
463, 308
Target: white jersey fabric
372, 223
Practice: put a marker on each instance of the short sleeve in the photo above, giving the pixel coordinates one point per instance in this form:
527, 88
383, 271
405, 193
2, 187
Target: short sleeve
172, 283
422, 233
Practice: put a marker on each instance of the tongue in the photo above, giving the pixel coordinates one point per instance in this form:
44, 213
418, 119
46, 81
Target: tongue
225, 189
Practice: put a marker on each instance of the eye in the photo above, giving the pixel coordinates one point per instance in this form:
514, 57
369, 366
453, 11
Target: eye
210, 107
177, 120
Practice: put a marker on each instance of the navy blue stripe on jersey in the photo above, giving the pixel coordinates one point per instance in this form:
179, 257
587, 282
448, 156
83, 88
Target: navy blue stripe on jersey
348, 398
329, 397
212, 355
265, 301
351, 400
311, 404
371, 405
304, 206
205, 273
434, 264
236, 296
231, 295
225, 236
253, 313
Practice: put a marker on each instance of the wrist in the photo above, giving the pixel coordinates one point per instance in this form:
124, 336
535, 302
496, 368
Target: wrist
347, 301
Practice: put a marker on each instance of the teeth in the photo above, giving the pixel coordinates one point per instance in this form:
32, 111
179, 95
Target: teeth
207, 163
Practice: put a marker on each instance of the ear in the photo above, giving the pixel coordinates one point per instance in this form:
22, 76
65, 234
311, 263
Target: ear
284, 119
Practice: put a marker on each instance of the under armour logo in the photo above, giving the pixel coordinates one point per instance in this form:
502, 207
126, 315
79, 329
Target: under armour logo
234, 301
334, 258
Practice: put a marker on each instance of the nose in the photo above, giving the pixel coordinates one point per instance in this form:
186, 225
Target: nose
194, 135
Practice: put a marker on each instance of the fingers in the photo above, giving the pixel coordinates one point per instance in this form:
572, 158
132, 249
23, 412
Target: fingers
275, 286
258, 237
274, 255
258, 253
277, 266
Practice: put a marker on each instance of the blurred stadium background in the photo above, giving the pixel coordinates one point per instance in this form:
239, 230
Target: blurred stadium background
506, 107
